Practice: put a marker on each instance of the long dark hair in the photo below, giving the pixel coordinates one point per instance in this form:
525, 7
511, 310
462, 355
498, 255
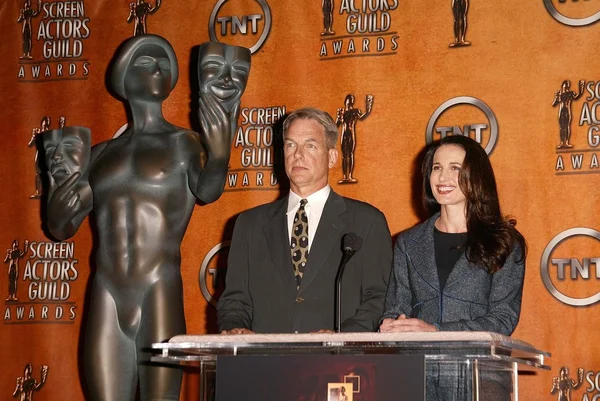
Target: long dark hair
491, 237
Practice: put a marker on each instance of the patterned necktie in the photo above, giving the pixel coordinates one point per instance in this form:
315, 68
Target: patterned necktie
299, 242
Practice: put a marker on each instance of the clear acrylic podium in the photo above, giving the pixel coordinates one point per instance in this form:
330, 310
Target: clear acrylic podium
459, 366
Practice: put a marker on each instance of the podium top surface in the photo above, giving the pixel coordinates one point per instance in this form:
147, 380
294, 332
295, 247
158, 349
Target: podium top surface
434, 345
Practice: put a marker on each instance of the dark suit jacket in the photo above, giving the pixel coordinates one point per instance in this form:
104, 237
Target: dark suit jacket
260, 292
472, 300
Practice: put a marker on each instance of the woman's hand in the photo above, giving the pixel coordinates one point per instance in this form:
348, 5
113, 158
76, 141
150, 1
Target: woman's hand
404, 324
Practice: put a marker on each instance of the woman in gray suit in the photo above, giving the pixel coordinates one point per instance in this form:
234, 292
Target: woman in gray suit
463, 268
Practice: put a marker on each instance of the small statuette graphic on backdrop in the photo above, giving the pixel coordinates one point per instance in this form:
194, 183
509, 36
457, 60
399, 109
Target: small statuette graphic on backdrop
347, 117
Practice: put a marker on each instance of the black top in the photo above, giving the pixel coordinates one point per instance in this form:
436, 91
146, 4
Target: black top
449, 247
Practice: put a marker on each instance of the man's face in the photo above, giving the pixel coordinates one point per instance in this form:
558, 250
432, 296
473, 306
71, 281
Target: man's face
307, 158
223, 71
67, 151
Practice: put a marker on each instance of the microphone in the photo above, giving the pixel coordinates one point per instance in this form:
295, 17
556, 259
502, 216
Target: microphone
351, 243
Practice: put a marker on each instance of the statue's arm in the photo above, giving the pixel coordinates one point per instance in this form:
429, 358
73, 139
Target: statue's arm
369, 103
25, 249
19, 387
218, 128
44, 373
131, 12
154, 9
579, 378
581, 89
70, 203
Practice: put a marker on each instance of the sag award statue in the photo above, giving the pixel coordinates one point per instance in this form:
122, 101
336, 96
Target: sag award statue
347, 117
459, 12
142, 187
563, 98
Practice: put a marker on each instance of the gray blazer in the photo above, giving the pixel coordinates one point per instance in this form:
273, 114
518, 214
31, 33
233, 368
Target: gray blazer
472, 300
260, 292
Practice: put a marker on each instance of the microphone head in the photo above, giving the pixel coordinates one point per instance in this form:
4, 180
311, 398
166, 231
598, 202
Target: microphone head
351, 242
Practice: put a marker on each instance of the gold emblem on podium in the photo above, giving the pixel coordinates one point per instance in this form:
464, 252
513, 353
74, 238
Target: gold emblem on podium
563, 98
27, 385
459, 11
347, 117
339, 392
563, 384
138, 10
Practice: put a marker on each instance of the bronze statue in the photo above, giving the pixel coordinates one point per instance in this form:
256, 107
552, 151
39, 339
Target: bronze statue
347, 118
327, 6
26, 14
137, 13
459, 11
67, 151
13, 255
564, 99
142, 186
563, 384
27, 385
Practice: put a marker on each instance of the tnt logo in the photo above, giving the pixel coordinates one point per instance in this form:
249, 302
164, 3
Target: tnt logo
467, 116
570, 266
212, 272
248, 29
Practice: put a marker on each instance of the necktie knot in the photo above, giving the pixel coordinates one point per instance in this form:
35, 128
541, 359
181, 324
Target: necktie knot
303, 203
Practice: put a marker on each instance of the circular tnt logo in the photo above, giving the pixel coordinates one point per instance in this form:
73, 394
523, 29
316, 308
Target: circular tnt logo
212, 274
250, 30
475, 130
563, 19
571, 269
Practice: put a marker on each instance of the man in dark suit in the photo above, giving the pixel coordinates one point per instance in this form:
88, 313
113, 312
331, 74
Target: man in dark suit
285, 255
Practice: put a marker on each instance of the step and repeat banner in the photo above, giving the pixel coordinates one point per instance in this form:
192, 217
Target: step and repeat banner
519, 77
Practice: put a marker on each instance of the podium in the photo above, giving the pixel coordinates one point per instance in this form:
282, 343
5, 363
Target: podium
448, 366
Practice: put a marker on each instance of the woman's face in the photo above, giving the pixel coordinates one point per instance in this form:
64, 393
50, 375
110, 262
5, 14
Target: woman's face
445, 171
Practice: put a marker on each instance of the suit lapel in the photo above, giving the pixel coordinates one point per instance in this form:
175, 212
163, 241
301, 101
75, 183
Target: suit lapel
422, 253
327, 237
277, 237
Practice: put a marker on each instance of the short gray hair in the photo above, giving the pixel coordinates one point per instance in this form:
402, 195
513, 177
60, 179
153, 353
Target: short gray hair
322, 117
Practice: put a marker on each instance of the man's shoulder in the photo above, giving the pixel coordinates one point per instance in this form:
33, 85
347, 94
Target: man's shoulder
359, 206
262, 211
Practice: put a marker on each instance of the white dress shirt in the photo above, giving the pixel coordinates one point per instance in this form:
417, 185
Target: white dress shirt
314, 210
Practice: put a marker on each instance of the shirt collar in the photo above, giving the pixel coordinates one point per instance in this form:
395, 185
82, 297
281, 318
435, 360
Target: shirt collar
315, 199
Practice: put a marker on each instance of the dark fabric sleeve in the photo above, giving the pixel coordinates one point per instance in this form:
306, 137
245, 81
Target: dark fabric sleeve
398, 298
234, 309
375, 264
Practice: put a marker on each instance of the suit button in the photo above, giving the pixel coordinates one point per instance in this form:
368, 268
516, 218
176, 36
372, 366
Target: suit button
299, 299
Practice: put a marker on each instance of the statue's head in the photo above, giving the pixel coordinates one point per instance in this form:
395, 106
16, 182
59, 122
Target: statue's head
145, 68
45, 123
566, 85
349, 101
28, 371
564, 372
223, 71
15, 244
67, 151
